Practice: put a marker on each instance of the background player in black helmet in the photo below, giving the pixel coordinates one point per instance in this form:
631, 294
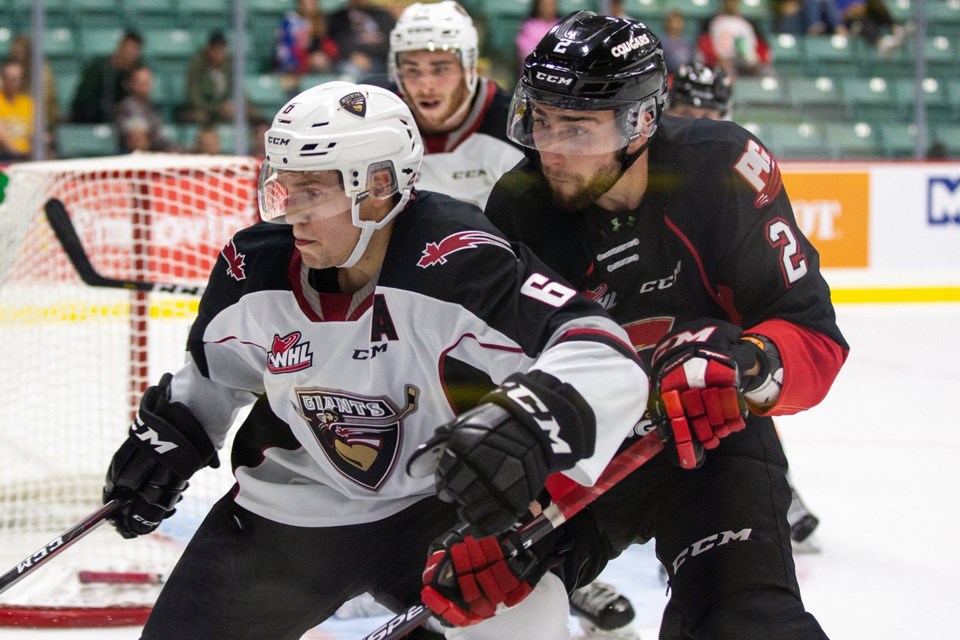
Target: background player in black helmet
699, 91
681, 228
359, 324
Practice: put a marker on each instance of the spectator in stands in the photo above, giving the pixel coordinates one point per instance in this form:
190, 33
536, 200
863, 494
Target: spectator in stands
16, 114
102, 83
207, 140
138, 121
543, 15
871, 20
788, 17
361, 32
823, 16
731, 40
678, 50
20, 51
303, 45
209, 85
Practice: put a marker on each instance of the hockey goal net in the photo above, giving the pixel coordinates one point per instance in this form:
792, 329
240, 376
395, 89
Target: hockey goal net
76, 359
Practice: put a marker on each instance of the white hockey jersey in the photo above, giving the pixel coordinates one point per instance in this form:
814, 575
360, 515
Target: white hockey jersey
358, 381
465, 163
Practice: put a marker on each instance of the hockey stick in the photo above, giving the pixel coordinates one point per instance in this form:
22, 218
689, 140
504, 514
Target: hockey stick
58, 544
66, 233
562, 509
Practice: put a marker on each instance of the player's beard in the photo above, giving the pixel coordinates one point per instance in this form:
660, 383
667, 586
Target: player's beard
449, 119
576, 192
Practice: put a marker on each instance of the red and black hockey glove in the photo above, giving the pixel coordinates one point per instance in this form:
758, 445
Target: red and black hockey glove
166, 445
466, 578
494, 459
696, 394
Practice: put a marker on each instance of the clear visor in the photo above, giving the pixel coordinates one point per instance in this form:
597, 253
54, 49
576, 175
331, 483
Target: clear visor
300, 196
576, 126
295, 197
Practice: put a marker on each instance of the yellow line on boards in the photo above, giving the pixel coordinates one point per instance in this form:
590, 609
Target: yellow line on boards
895, 294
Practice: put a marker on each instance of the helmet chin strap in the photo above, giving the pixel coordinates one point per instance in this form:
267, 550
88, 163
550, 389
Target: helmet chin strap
367, 229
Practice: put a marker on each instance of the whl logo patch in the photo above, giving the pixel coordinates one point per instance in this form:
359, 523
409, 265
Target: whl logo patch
288, 354
437, 252
360, 435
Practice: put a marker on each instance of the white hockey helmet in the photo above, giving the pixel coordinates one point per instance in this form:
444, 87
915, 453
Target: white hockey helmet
436, 26
359, 130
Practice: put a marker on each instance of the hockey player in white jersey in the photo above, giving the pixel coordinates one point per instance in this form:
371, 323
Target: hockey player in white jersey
371, 316
461, 115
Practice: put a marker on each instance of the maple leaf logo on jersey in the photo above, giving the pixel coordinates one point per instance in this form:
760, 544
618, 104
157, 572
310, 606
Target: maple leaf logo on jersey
761, 172
288, 355
360, 435
234, 261
437, 252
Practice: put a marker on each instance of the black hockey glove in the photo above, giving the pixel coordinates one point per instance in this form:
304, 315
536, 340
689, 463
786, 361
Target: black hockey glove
494, 459
697, 394
466, 578
166, 446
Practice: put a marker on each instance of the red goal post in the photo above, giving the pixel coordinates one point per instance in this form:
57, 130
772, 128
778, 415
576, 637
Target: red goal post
77, 358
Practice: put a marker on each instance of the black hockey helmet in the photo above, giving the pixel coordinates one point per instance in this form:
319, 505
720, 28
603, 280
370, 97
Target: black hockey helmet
702, 86
589, 62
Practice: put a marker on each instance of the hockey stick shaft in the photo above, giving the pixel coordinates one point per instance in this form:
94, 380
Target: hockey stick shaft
560, 510
66, 233
53, 548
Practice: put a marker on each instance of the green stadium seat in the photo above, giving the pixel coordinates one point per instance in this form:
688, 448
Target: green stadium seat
86, 140
757, 11
897, 139
949, 136
151, 14
694, 11
313, 79
940, 103
97, 13
60, 42
943, 18
516, 8
941, 56
212, 15
789, 55
900, 10
817, 97
646, 11
852, 140
803, 141
831, 55
266, 92
66, 83
871, 98
762, 97
175, 44
96, 42
569, 6
6, 37
57, 13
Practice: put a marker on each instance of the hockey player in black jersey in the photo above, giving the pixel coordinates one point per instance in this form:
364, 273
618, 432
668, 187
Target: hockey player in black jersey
699, 91
370, 316
682, 230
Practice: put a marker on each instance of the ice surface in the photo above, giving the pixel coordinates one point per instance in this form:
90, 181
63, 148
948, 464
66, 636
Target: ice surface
875, 462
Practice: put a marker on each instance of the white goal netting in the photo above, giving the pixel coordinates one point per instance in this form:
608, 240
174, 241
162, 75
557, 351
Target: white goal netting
76, 359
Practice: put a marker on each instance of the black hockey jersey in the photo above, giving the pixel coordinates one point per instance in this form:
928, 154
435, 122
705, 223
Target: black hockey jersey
714, 236
360, 380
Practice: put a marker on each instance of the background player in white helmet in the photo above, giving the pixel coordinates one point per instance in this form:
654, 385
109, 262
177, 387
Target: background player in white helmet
366, 319
461, 115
